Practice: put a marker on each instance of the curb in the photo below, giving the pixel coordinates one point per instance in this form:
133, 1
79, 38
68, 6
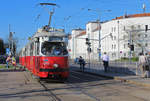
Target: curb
125, 80
119, 78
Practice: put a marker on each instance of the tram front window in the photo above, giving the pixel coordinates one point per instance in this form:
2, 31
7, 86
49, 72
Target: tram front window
54, 48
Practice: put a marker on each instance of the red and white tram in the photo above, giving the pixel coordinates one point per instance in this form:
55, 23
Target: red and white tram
46, 54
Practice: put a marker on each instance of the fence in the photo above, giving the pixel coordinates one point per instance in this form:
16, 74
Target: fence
114, 66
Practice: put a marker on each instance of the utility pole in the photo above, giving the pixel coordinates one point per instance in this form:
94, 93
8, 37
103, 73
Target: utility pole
99, 28
99, 41
118, 41
9, 37
130, 46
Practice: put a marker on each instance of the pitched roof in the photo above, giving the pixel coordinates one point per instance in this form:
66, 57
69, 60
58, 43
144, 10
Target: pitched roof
96, 29
82, 33
132, 16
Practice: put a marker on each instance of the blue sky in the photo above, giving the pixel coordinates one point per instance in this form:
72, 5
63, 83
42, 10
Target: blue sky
22, 14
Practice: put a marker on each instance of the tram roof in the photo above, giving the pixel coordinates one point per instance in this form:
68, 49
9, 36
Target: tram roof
51, 33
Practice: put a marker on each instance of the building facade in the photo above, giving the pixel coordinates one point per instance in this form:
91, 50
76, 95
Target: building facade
76, 43
114, 37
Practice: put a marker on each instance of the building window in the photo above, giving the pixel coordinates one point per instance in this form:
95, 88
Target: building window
145, 35
139, 26
146, 27
124, 46
146, 44
88, 35
139, 35
124, 54
112, 46
114, 54
114, 37
132, 27
124, 37
124, 28
114, 29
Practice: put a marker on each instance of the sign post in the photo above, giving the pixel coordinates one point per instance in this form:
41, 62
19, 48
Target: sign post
7, 51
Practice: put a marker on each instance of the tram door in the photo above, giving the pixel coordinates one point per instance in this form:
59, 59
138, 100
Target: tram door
37, 57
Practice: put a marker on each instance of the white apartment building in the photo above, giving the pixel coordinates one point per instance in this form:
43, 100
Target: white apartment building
76, 43
115, 37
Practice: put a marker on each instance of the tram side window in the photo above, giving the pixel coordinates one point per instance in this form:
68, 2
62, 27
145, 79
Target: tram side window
24, 52
27, 51
31, 49
38, 48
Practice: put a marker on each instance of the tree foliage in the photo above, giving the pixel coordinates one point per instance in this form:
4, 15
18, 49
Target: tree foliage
2, 49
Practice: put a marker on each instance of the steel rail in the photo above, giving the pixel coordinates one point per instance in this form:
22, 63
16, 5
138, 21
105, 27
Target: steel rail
52, 96
115, 89
77, 87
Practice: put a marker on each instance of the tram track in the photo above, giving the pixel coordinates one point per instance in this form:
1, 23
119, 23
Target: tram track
112, 88
77, 87
52, 96
80, 82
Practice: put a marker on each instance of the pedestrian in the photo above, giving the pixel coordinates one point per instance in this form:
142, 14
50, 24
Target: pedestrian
105, 60
82, 63
142, 63
14, 61
56, 50
76, 60
8, 59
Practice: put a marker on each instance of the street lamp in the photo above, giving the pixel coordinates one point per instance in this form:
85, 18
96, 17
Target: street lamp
99, 11
99, 28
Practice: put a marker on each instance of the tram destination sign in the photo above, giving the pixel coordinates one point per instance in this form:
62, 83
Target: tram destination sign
55, 39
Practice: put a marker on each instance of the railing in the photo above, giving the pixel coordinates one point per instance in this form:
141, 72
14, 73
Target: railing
117, 67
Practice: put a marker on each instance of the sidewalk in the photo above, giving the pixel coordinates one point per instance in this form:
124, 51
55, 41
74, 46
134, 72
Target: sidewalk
19, 86
132, 79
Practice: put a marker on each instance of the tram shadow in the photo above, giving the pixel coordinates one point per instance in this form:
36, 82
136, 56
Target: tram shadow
91, 74
52, 81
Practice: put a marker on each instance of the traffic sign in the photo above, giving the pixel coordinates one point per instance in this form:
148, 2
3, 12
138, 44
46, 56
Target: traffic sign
7, 51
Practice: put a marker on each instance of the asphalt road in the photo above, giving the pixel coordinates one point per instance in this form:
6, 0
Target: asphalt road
86, 87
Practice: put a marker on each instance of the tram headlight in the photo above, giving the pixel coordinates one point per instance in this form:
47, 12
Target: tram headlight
55, 65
